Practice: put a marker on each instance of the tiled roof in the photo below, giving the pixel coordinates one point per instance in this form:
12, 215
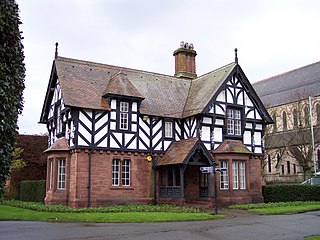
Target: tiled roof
59, 145
84, 83
120, 85
232, 146
179, 152
288, 87
203, 88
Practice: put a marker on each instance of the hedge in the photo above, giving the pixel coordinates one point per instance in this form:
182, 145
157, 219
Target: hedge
291, 193
33, 191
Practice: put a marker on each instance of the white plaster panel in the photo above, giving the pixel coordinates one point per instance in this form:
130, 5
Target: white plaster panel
257, 138
178, 130
166, 145
250, 115
134, 117
144, 138
259, 126
133, 145
208, 146
222, 96
219, 121
143, 125
218, 134
258, 150
247, 137
141, 146
205, 133
229, 96
247, 100
112, 125
134, 107
207, 120
127, 137
113, 115
258, 115
240, 97
220, 110
113, 104
113, 143
134, 127
156, 138
249, 125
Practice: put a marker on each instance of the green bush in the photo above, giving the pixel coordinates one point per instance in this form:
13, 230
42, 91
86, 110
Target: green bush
33, 191
291, 193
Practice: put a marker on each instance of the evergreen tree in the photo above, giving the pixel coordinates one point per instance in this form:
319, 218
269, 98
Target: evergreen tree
12, 74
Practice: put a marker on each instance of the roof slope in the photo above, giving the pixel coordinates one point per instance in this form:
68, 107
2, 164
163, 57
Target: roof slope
204, 87
180, 152
287, 87
84, 83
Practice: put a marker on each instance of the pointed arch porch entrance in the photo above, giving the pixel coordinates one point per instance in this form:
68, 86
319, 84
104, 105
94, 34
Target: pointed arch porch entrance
179, 177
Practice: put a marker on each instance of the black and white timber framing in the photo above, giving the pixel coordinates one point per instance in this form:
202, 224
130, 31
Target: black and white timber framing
99, 129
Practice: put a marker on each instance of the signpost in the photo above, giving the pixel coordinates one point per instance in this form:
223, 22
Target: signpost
213, 169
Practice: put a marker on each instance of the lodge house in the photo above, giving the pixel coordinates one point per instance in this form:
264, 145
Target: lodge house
120, 135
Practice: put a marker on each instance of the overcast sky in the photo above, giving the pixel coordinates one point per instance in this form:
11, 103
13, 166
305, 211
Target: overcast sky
272, 37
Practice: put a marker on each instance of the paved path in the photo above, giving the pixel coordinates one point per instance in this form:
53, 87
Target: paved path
237, 225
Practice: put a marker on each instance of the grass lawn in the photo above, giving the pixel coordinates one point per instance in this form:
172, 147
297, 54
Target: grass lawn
280, 208
14, 213
316, 237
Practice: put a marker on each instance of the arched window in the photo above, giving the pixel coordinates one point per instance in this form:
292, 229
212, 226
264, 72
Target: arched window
318, 113
278, 159
269, 163
295, 118
306, 116
318, 153
274, 118
284, 120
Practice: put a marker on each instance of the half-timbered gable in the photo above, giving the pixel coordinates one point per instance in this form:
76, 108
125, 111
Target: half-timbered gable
125, 119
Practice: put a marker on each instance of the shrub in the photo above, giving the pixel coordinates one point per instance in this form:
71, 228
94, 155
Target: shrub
291, 193
33, 191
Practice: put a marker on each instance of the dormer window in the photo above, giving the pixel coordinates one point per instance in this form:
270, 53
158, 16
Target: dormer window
233, 122
168, 129
124, 109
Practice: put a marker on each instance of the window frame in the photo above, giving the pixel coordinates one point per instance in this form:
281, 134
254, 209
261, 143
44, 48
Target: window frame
168, 129
61, 176
233, 121
126, 172
224, 176
238, 175
121, 172
50, 173
115, 172
124, 115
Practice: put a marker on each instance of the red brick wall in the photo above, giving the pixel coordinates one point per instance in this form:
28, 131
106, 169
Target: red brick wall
102, 192
253, 191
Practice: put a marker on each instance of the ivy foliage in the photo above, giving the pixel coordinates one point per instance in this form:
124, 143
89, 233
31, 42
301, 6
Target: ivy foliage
12, 74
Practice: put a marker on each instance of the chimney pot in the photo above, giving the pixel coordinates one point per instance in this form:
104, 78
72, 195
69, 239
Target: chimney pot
185, 61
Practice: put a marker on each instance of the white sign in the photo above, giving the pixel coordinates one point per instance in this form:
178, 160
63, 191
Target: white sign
206, 169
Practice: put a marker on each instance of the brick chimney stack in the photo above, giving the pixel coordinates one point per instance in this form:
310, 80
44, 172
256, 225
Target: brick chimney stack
185, 61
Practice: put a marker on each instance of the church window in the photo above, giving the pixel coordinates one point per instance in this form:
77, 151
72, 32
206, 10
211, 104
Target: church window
295, 118
318, 113
284, 120
274, 118
306, 116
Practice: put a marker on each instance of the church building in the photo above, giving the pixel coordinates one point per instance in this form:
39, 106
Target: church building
120, 135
